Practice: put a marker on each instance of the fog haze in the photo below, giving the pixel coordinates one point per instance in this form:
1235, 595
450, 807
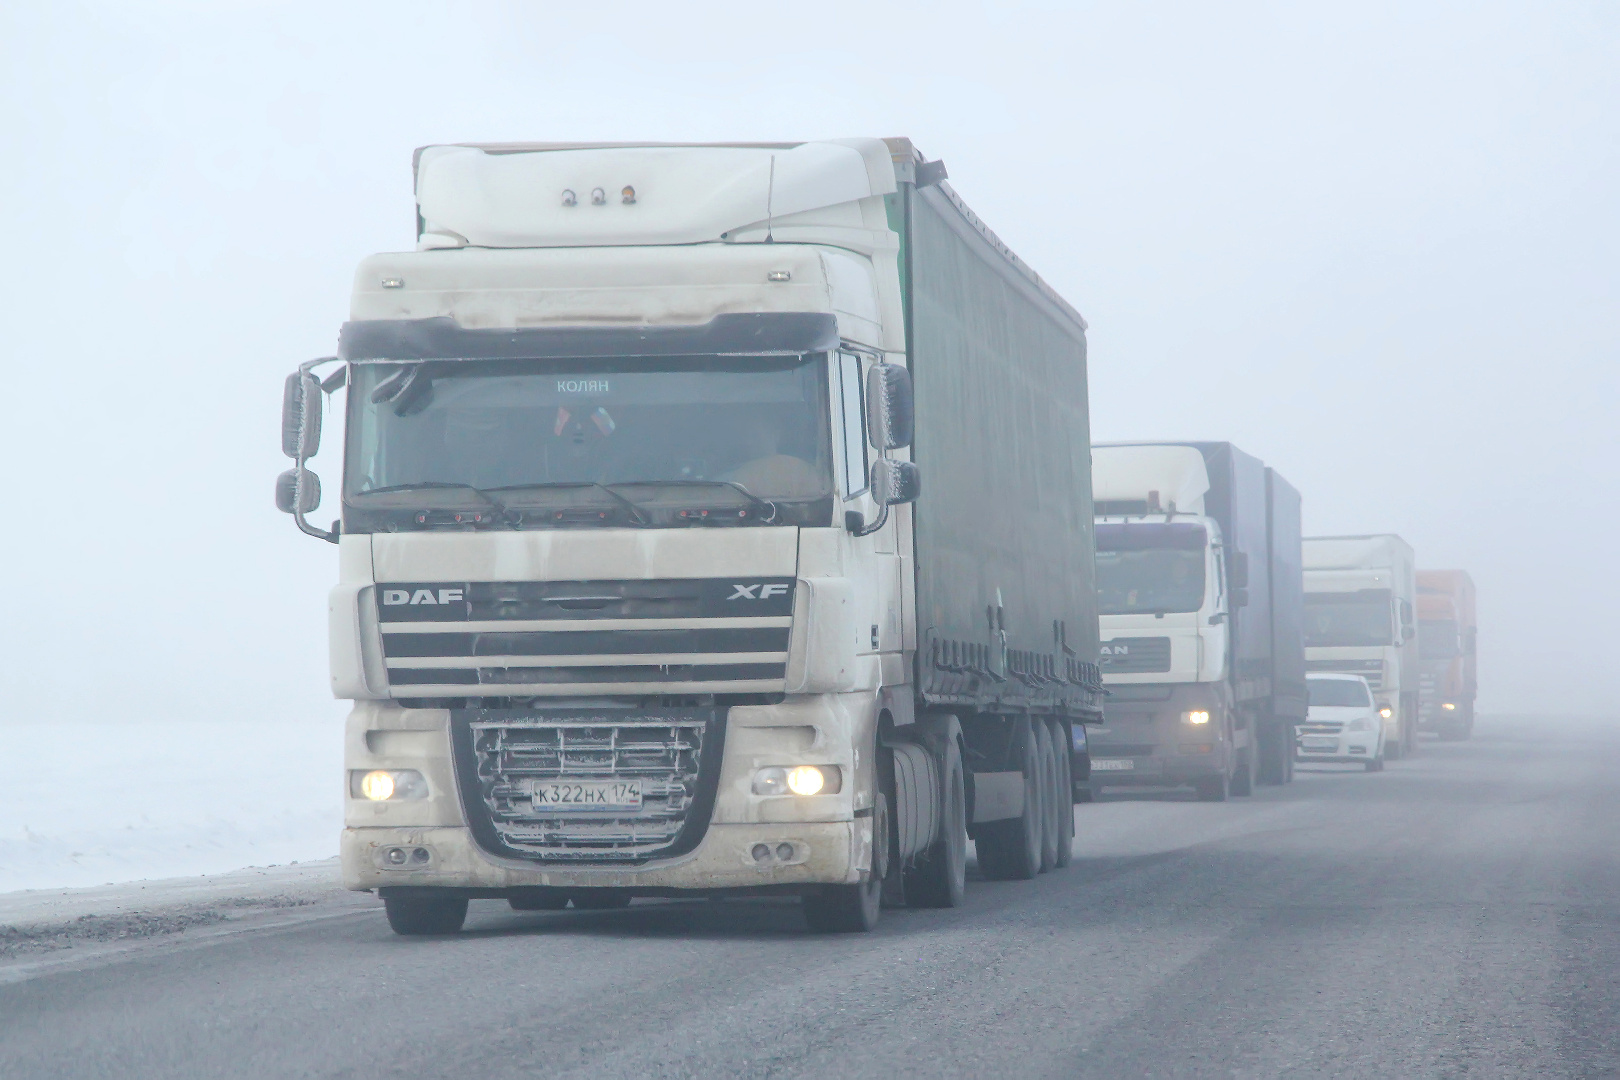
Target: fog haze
1375, 246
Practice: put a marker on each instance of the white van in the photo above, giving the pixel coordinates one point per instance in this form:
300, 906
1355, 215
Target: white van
1342, 723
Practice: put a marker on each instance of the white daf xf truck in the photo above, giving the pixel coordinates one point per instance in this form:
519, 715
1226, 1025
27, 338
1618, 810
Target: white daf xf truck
713, 519
1201, 602
1361, 618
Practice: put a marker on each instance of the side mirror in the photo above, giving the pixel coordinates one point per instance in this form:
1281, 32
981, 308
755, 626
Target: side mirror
1239, 598
895, 482
890, 409
301, 416
298, 491
1237, 569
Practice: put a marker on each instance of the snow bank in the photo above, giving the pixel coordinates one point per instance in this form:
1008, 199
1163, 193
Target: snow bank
92, 802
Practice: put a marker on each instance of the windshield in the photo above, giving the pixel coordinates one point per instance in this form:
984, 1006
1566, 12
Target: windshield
1150, 567
1437, 639
1348, 618
1337, 692
710, 431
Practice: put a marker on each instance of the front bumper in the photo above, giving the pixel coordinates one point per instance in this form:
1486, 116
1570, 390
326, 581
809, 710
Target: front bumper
827, 838
1355, 747
823, 853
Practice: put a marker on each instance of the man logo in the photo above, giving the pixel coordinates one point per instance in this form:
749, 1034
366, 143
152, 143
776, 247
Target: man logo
758, 592
396, 597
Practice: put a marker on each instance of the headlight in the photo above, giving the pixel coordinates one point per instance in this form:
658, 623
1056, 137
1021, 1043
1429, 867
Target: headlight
380, 785
1196, 716
799, 780
1448, 706
1358, 725
1385, 711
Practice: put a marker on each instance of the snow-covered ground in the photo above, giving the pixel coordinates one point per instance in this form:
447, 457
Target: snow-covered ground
91, 802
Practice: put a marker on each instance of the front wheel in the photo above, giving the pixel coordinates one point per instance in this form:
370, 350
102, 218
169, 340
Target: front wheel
416, 916
854, 909
940, 877
1215, 789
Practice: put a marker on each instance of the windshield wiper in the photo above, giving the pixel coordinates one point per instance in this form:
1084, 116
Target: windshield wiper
421, 485
758, 503
635, 511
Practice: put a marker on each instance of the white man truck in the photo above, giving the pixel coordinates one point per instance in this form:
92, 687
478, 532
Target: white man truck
1360, 618
715, 519
1201, 601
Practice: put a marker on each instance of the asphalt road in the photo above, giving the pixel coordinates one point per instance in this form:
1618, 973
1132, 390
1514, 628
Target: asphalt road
1455, 915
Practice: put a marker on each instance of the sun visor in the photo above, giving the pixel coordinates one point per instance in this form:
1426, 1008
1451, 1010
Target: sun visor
1131, 474
777, 333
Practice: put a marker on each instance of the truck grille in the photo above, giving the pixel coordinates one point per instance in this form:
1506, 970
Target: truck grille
558, 638
503, 756
1127, 656
1372, 670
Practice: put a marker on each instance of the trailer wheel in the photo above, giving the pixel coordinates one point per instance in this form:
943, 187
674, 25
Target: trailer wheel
1243, 780
854, 909
1011, 850
1064, 799
414, 916
940, 877
1050, 792
541, 898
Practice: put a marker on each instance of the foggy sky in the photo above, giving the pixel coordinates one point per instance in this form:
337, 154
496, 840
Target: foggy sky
1374, 244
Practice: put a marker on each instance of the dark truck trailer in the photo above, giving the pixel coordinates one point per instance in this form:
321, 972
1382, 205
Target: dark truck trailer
1247, 611
1006, 602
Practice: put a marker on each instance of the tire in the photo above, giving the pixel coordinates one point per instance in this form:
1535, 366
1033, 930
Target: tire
1049, 795
854, 909
599, 899
1374, 764
415, 916
1453, 732
539, 899
1011, 850
1392, 750
1243, 779
1273, 760
1086, 794
939, 880
1215, 789
1065, 797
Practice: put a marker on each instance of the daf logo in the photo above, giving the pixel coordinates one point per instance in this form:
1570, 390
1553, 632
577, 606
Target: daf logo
396, 597
757, 592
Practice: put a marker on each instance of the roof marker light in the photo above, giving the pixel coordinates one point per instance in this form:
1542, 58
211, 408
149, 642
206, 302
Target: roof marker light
569, 198
628, 195
598, 197
779, 275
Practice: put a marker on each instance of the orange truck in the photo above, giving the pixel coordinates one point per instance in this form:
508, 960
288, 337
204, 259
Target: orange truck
1446, 653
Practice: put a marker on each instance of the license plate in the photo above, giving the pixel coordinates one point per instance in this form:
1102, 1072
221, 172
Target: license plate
1118, 764
1321, 744
587, 795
